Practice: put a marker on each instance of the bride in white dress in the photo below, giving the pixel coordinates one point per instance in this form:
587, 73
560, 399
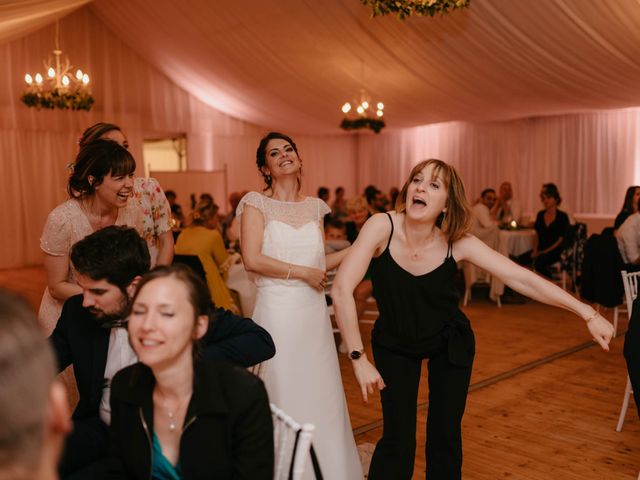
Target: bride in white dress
282, 244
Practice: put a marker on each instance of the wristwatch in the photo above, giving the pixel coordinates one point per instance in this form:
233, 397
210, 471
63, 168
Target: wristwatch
356, 354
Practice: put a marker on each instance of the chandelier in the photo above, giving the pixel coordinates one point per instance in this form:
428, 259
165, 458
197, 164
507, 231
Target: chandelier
59, 88
367, 114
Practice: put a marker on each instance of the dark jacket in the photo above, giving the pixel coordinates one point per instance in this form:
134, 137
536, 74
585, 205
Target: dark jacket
228, 430
601, 282
79, 340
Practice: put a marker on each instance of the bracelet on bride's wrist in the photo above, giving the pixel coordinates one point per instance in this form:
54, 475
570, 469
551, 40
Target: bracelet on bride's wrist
289, 271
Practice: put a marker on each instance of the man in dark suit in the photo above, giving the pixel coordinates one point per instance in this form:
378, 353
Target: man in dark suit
108, 264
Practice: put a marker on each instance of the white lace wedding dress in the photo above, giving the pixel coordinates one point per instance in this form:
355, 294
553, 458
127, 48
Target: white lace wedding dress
303, 378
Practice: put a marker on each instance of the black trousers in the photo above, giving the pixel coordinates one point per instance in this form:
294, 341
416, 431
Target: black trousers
632, 351
85, 450
448, 387
542, 263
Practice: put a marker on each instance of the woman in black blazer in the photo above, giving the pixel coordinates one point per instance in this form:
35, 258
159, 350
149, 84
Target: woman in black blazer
174, 416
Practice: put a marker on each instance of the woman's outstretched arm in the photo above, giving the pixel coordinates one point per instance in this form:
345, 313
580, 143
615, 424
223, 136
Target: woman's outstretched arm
532, 285
371, 240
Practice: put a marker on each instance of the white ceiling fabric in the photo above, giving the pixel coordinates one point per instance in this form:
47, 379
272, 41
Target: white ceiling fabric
291, 64
21, 17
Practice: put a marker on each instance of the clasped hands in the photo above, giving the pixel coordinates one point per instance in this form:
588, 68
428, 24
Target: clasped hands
315, 277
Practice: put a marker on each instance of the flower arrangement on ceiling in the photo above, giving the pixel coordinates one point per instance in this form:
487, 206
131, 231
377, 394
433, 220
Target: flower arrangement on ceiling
409, 8
60, 89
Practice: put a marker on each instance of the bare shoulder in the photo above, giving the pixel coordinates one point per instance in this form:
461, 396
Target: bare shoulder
377, 224
374, 233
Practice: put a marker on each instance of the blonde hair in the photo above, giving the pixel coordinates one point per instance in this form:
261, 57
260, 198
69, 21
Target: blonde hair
27, 370
357, 204
203, 212
456, 221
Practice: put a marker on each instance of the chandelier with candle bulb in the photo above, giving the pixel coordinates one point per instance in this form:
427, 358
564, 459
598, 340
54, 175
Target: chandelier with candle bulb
59, 88
364, 113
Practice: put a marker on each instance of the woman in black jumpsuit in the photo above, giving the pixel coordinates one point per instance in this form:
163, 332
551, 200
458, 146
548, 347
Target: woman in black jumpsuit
413, 253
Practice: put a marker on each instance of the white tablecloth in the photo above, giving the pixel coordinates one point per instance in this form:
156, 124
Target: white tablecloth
514, 243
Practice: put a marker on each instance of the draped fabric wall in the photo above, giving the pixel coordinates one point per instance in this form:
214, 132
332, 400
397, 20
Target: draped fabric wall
591, 157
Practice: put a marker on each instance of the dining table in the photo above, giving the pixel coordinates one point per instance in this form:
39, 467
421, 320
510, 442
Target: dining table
511, 243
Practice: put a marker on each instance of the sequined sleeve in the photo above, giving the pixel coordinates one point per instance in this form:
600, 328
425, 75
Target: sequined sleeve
57, 236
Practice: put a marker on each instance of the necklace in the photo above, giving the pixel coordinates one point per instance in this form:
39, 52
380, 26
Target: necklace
415, 252
172, 413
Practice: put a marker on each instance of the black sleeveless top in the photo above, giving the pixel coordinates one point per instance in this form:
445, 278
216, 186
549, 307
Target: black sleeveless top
420, 314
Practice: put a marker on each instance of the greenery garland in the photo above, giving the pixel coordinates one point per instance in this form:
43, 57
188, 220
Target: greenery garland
56, 99
375, 124
408, 8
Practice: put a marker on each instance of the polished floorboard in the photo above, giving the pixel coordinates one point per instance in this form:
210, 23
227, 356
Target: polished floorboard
544, 399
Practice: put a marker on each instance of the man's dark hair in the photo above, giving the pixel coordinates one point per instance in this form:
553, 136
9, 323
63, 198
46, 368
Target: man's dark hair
370, 193
116, 254
323, 191
487, 190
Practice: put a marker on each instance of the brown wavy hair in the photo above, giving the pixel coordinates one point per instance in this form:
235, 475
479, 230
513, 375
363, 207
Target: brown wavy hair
98, 159
456, 221
203, 212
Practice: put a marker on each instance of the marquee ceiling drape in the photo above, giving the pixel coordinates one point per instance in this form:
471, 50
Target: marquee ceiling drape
21, 17
293, 63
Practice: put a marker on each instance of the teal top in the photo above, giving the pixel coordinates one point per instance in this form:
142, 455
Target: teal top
162, 469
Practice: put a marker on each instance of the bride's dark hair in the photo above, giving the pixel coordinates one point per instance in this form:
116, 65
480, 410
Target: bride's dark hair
261, 156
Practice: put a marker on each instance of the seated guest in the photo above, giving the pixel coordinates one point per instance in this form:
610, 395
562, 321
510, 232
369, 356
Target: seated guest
225, 223
339, 206
323, 194
176, 210
358, 211
109, 264
202, 238
376, 201
628, 238
551, 227
175, 415
34, 417
484, 226
335, 236
506, 208
629, 206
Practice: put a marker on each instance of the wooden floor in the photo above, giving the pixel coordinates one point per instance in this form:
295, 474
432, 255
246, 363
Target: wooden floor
543, 405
